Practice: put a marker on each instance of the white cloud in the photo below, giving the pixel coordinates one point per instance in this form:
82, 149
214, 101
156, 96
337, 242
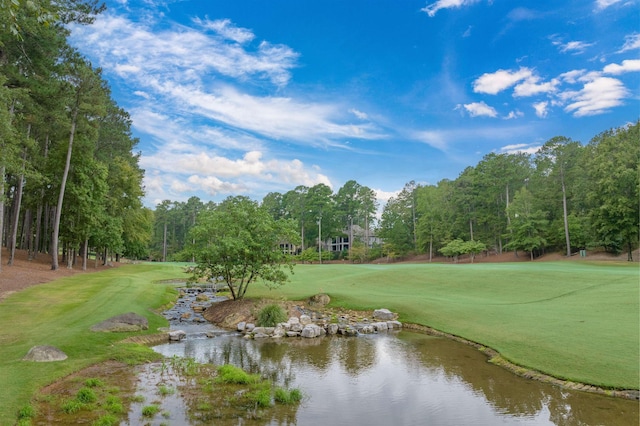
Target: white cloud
541, 108
532, 86
513, 114
226, 29
493, 83
597, 96
433, 8
631, 42
361, 115
435, 139
575, 47
519, 148
628, 65
480, 109
603, 4
184, 52
572, 76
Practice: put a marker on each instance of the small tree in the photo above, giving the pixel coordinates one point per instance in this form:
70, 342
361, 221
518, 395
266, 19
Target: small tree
472, 248
453, 249
239, 242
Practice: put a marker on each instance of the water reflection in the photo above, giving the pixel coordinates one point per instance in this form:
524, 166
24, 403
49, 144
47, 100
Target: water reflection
404, 379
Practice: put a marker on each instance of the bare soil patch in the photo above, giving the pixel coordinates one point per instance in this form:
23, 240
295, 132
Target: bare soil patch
25, 272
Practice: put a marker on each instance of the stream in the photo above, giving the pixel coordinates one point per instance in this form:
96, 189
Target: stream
391, 378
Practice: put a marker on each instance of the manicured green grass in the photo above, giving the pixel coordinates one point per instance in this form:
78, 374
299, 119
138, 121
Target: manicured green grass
574, 320
61, 314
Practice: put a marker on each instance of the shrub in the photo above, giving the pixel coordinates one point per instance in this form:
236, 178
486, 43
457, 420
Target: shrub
271, 315
93, 383
106, 420
86, 396
231, 374
287, 397
165, 391
261, 397
26, 412
150, 410
72, 406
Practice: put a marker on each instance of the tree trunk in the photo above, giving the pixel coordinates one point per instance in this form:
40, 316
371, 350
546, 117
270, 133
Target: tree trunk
38, 223
16, 212
85, 250
63, 183
2, 169
471, 228
564, 215
164, 243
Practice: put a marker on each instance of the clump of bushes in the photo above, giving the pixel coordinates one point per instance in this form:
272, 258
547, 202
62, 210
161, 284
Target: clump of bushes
271, 315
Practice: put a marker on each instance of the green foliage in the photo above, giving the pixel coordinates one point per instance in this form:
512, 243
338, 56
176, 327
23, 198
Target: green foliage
238, 242
93, 383
271, 315
106, 420
163, 390
150, 410
287, 397
72, 406
26, 412
86, 395
261, 397
228, 373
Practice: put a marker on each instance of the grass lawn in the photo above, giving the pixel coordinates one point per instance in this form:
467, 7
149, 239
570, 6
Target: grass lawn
61, 314
574, 320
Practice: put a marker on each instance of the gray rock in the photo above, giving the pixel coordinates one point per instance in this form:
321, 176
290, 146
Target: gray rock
294, 320
367, 329
177, 335
279, 331
241, 326
305, 320
125, 322
292, 334
260, 336
332, 329
311, 330
383, 315
249, 327
380, 326
319, 300
394, 324
45, 353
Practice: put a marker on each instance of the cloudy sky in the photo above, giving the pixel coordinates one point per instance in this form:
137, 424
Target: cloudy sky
253, 96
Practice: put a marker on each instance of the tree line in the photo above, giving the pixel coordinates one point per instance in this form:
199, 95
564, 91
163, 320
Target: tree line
566, 197
69, 178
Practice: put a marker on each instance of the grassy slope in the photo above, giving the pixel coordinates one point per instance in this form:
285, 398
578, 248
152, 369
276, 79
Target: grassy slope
577, 321
61, 313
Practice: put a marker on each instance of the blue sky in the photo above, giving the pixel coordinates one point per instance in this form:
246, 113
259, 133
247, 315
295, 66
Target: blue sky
247, 97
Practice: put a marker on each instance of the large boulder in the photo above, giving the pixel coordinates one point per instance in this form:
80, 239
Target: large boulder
125, 322
45, 353
319, 300
383, 315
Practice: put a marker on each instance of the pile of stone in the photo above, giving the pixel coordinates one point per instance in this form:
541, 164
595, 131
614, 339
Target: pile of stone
303, 326
190, 305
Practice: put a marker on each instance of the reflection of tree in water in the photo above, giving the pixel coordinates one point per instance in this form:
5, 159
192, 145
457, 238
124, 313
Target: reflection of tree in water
510, 394
355, 354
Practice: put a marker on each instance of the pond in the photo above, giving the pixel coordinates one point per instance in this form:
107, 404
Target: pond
394, 378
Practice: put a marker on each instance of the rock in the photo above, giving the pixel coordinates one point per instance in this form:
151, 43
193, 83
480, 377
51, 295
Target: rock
367, 329
260, 335
241, 326
305, 320
249, 327
311, 330
197, 308
294, 320
125, 322
380, 326
177, 335
296, 327
394, 324
292, 334
279, 331
202, 297
332, 329
319, 300
383, 315
44, 353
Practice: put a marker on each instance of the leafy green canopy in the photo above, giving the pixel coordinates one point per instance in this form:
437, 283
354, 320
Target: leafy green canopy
238, 242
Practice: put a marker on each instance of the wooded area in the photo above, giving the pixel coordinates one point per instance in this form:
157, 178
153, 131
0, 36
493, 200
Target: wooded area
70, 180
566, 197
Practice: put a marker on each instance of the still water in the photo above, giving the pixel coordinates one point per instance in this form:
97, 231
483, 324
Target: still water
401, 378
